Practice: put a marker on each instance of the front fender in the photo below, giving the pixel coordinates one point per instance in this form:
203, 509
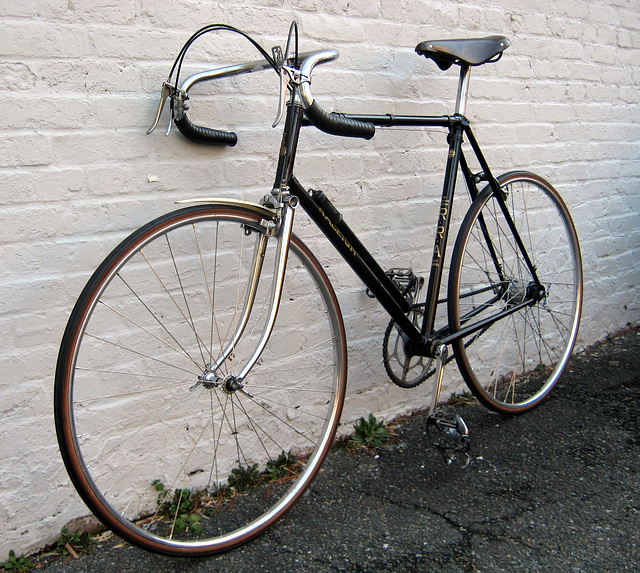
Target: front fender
255, 207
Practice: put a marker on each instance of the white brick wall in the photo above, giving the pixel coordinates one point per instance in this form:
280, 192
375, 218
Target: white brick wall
78, 88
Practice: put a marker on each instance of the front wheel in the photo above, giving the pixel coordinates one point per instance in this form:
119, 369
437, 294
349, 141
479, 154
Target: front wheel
511, 365
164, 444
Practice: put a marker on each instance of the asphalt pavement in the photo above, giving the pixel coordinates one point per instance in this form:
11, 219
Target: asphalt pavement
557, 489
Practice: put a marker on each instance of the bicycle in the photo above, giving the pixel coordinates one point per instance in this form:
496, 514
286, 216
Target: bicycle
202, 372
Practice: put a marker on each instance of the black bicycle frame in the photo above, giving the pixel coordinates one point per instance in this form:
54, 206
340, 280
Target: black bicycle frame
424, 340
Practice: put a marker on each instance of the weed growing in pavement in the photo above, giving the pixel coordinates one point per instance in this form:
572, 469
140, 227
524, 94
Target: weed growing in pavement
180, 507
343, 443
245, 478
19, 564
370, 433
286, 465
459, 400
183, 509
76, 541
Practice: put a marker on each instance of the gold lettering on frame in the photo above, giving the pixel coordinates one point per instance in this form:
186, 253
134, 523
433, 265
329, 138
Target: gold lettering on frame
440, 229
337, 232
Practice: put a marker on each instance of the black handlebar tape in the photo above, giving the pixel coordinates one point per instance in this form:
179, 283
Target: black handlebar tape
205, 135
338, 124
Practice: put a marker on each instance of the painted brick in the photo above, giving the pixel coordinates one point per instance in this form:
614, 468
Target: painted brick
79, 82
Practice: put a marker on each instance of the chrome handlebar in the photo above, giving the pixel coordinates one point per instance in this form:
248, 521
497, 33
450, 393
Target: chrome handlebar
333, 123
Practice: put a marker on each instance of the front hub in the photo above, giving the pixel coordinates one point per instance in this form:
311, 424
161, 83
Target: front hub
209, 380
231, 385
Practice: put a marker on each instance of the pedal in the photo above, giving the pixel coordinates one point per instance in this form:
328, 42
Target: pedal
405, 281
448, 432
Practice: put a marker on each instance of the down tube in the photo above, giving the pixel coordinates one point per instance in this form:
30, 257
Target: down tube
363, 264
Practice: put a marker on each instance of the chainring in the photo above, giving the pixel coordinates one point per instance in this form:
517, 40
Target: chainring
405, 370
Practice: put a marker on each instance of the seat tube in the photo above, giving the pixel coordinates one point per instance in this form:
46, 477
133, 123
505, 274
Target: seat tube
442, 230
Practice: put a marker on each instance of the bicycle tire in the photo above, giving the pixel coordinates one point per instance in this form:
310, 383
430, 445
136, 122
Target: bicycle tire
169, 463
513, 364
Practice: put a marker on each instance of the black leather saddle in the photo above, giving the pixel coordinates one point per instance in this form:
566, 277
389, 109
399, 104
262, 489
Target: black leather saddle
471, 52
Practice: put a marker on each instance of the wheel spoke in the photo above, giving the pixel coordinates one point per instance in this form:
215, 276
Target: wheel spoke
138, 410
513, 364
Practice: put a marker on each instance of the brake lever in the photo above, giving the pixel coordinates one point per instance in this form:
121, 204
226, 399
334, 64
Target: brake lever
168, 90
287, 75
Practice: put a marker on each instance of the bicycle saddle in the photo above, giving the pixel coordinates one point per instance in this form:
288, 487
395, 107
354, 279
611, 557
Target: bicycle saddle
471, 52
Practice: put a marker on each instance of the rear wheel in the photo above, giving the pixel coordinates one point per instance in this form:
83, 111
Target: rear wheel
174, 454
512, 364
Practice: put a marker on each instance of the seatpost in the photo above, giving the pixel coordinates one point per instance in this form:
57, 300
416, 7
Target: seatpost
463, 90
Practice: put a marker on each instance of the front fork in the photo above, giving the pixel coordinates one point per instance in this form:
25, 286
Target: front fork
286, 205
282, 229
